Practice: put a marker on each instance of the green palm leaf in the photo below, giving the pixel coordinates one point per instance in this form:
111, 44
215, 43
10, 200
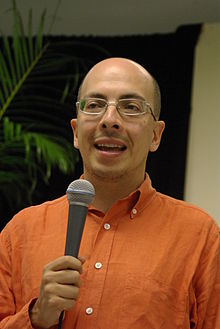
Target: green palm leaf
23, 152
29, 124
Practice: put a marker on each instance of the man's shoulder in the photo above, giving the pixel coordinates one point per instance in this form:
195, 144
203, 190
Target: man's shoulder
41, 208
31, 217
187, 213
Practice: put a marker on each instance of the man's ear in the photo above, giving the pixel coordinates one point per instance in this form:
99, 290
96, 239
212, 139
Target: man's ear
75, 133
157, 134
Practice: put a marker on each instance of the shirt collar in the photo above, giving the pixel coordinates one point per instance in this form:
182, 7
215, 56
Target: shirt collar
146, 194
137, 200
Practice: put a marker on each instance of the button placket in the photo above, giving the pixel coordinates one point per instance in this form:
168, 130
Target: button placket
97, 271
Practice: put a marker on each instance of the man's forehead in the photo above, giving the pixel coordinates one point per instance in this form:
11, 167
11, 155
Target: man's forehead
112, 65
116, 70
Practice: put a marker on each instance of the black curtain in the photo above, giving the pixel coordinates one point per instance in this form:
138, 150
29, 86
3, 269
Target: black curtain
169, 57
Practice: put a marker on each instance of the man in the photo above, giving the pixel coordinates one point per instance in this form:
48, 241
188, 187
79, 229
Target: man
146, 260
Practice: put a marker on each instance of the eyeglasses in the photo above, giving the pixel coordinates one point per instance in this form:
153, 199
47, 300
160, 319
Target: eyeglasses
126, 107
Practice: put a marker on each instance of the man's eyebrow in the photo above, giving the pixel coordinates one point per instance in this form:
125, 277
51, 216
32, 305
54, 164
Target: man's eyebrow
123, 96
132, 95
95, 95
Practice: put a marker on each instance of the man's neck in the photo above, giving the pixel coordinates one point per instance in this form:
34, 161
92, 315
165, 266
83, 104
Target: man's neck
107, 192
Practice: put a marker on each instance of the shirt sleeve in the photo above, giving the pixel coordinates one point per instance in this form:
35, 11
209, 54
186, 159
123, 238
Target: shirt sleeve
207, 283
9, 318
19, 320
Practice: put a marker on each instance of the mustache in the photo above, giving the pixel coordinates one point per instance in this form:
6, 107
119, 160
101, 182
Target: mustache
112, 134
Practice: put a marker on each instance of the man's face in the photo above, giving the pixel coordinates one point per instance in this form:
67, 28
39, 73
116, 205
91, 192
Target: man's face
112, 146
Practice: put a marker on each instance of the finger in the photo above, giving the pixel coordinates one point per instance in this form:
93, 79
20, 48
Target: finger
62, 304
64, 262
63, 277
82, 259
66, 277
67, 291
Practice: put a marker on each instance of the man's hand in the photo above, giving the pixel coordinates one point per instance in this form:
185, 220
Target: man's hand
58, 291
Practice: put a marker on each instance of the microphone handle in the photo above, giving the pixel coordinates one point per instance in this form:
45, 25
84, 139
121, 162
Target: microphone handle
76, 221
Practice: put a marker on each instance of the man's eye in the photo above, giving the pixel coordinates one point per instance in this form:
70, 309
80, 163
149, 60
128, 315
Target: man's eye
92, 105
132, 107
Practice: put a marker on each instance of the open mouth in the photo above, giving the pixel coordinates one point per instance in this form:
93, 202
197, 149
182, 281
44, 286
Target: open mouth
110, 147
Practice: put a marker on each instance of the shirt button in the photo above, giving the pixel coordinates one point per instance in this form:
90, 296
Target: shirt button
98, 265
89, 310
107, 226
134, 211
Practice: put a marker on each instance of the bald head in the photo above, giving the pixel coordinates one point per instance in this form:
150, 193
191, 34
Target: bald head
122, 69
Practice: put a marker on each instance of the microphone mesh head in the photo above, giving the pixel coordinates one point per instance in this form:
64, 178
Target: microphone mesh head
80, 191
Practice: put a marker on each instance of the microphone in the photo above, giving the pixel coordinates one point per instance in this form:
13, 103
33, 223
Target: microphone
80, 194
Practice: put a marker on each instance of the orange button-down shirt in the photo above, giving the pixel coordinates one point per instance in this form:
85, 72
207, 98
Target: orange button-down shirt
151, 262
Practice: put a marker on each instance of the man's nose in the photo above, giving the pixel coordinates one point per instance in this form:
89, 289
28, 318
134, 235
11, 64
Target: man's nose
111, 119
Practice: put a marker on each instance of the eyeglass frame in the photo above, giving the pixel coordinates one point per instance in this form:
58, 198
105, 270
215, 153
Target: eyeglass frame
115, 103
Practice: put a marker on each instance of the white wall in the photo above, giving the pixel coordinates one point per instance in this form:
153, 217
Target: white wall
202, 186
115, 17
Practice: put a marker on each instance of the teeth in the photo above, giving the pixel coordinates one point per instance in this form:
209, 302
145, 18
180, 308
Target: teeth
110, 145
